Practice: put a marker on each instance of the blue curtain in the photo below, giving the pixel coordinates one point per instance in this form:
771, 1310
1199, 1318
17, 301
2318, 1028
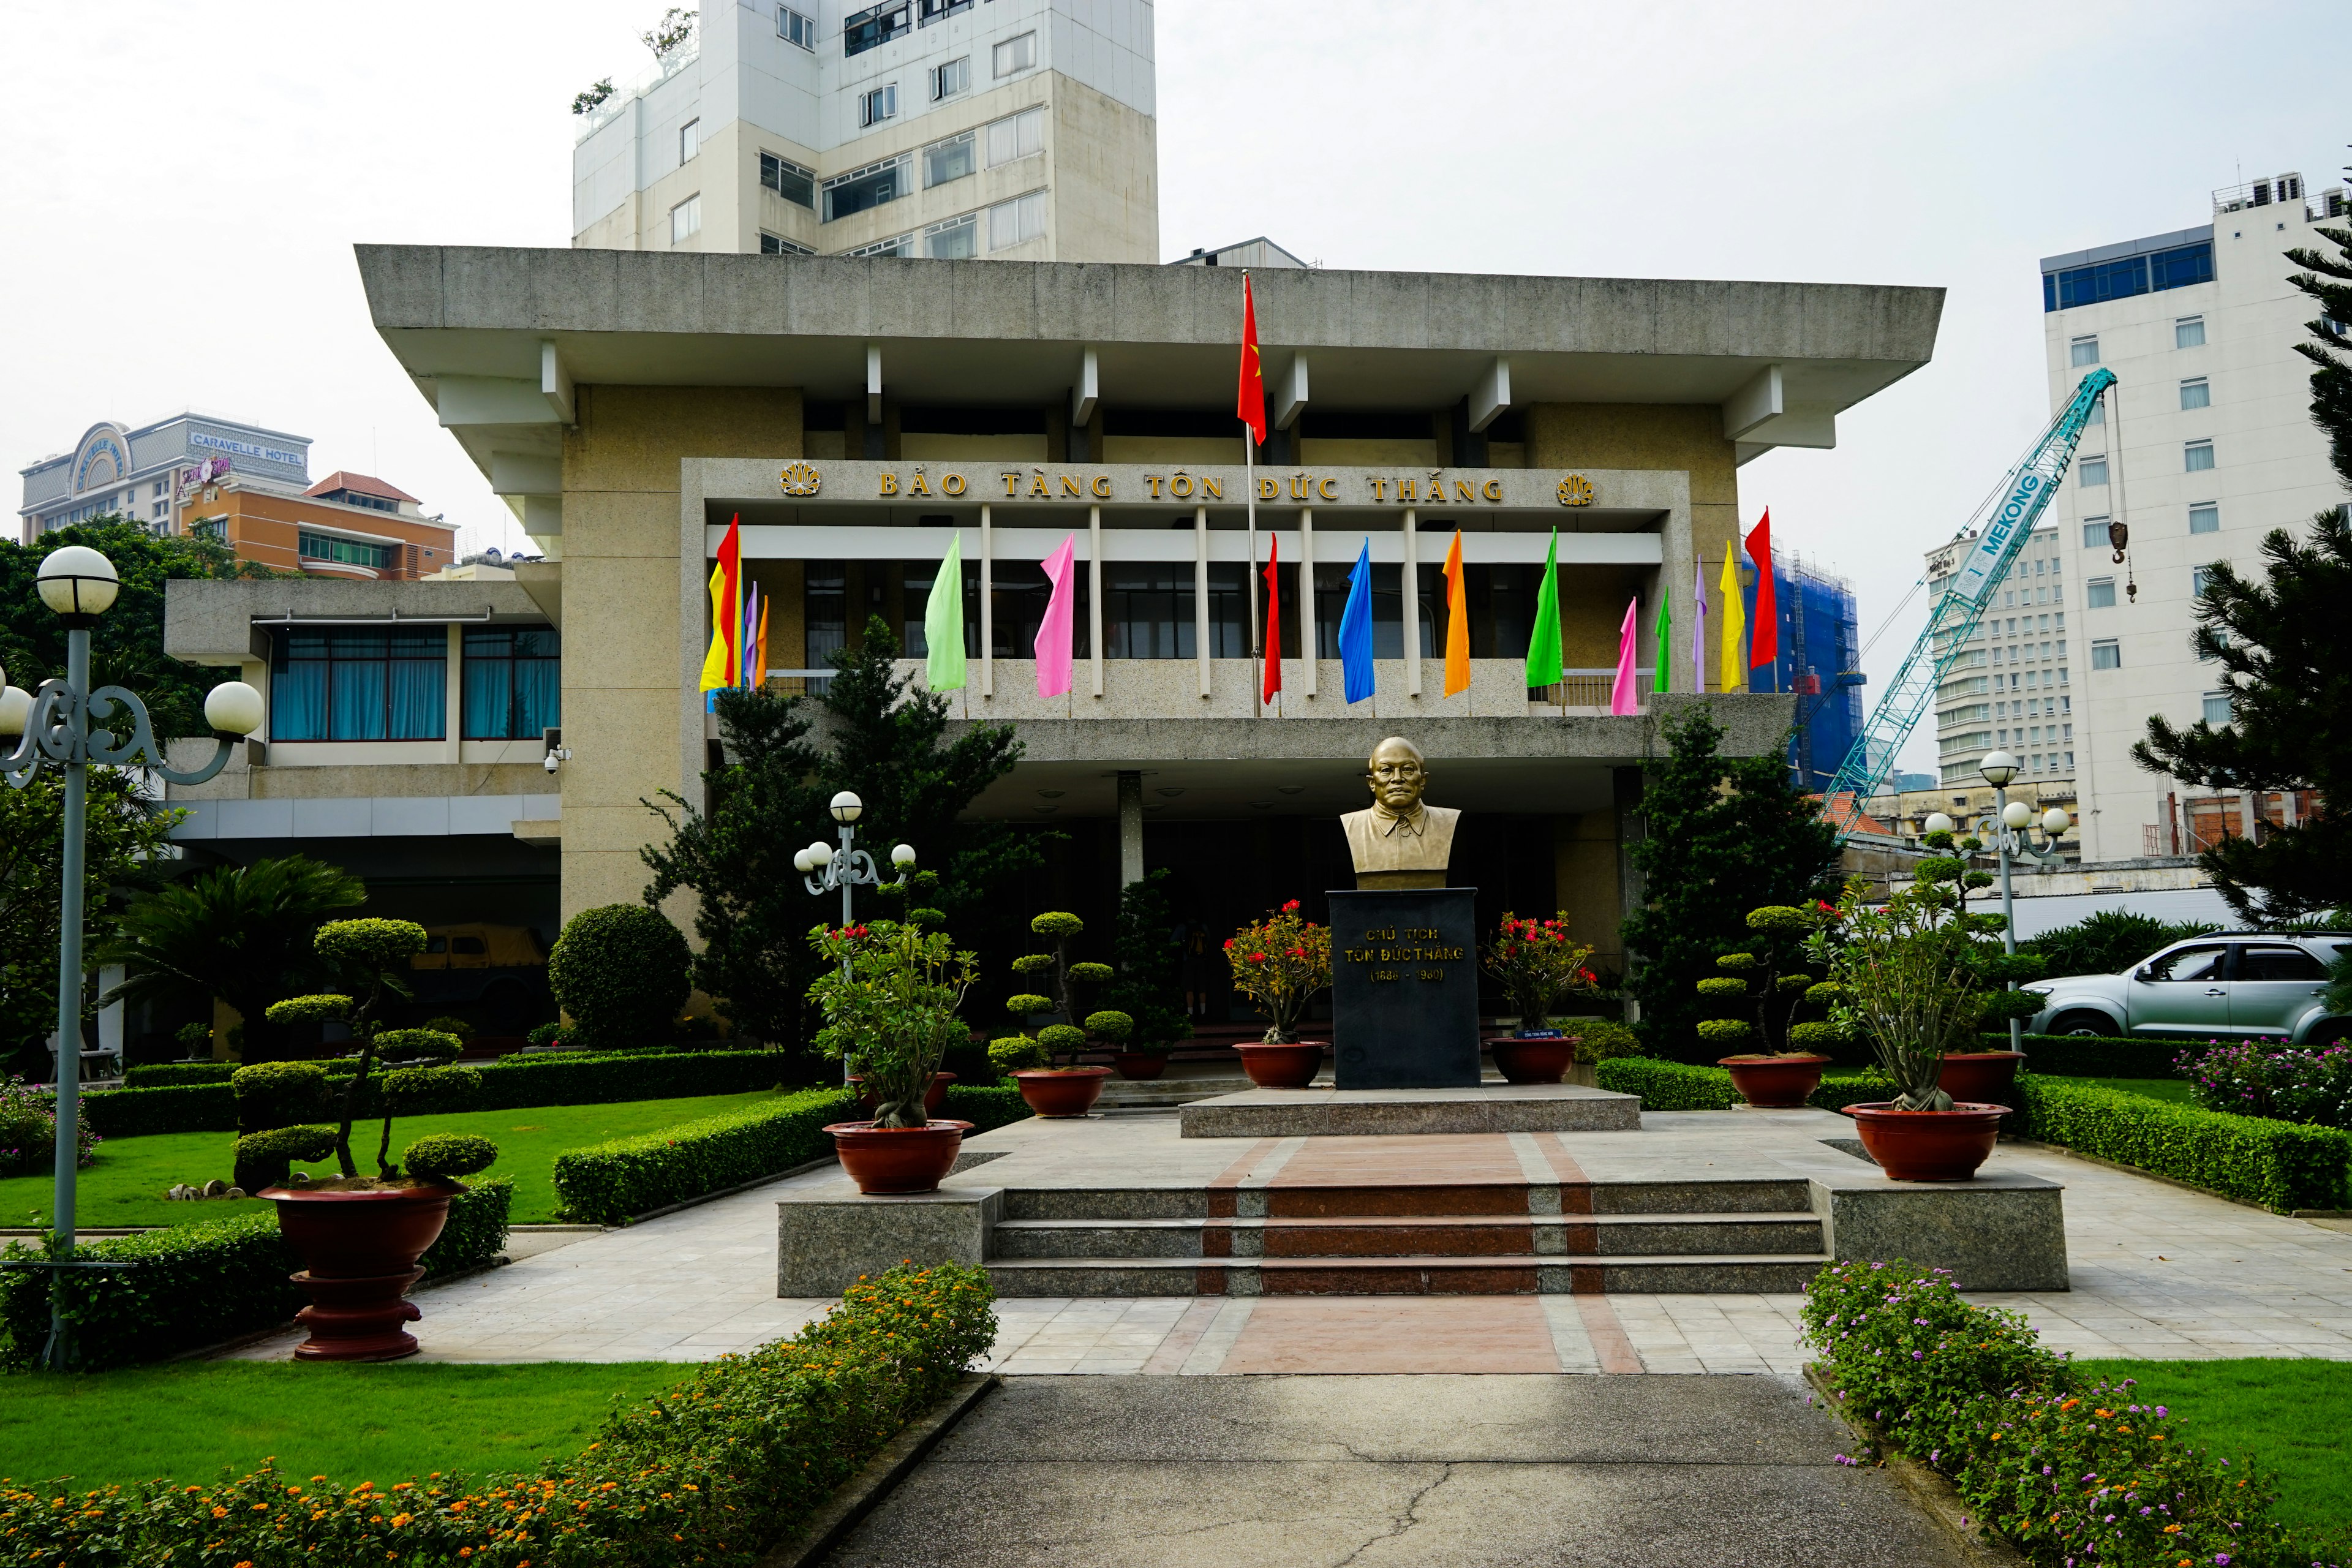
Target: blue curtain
487, 698
419, 694
537, 695
355, 699
297, 699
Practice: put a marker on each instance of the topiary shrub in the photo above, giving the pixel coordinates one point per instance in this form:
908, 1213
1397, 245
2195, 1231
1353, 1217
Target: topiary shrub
1601, 1039
1058, 1038
448, 1024
1110, 1024
1014, 1053
431, 1047
278, 1094
434, 1091
267, 1159
623, 972
446, 1156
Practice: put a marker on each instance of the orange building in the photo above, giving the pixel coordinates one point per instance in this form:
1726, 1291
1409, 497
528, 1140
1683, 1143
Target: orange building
346, 525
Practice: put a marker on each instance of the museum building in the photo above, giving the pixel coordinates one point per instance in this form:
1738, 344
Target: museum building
857, 415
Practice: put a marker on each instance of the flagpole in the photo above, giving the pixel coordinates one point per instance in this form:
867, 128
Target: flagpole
1249, 494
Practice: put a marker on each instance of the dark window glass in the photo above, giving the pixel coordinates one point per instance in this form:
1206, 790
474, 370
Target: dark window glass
2279, 963
2106, 280
2180, 268
788, 180
1331, 602
513, 680
2190, 964
874, 25
862, 192
356, 683
1147, 610
824, 613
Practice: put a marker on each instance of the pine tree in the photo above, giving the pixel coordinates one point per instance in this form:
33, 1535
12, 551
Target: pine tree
1721, 835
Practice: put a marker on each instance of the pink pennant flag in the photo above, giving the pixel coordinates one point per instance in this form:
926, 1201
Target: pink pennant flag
1055, 630
1624, 697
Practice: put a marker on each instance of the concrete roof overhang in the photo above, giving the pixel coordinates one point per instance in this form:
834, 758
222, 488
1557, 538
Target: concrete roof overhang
1784, 359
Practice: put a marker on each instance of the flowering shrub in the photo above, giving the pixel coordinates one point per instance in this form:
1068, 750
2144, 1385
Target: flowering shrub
2265, 1078
28, 1131
715, 1470
890, 992
1537, 965
1281, 963
2070, 1471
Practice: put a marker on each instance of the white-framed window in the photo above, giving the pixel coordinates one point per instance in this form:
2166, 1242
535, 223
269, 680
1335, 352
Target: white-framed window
2095, 533
1016, 136
2100, 594
862, 189
2107, 655
2197, 457
1017, 221
2061, 680
957, 240
2205, 517
2070, 756
1015, 55
950, 79
878, 104
689, 141
2090, 473
2098, 410
795, 28
788, 180
2216, 708
2189, 333
898, 245
2199, 577
930, 11
777, 245
950, 160
2196, 393
2083, 350
685, 219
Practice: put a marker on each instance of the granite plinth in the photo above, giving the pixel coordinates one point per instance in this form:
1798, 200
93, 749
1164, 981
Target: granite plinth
825, 1241
1999, 1230
1484, 1108
1404, 988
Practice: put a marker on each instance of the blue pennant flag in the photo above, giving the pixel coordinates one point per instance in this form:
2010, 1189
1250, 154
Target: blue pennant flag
1356, 629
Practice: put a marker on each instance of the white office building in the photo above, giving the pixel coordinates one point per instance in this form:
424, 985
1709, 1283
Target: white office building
2205, 446
1016, 129
2013, 684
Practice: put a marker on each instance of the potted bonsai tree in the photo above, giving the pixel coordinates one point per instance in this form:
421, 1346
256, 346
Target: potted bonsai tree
1282, 963
359, 1237
1539, 966
907, 889
890, 994
1767, 983
1917, 977
1049, 1088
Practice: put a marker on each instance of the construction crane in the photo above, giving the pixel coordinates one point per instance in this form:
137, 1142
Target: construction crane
1998, 530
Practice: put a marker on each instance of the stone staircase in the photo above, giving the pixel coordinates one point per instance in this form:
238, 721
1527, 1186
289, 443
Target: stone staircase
1406, 1237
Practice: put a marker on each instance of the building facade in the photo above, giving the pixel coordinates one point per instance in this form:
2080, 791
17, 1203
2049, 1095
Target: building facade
346, 525
2013, 684
2205, 446
1817, 658
138, 473
1014, 129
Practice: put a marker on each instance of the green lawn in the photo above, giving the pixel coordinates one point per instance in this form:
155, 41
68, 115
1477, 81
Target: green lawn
384, 1423
2290, 1415
126, 1185
2172, 1089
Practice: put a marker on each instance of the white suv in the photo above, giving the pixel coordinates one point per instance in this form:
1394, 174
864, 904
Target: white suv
2228, 984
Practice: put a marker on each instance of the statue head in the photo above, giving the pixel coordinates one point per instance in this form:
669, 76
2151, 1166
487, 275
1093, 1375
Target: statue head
1397, 773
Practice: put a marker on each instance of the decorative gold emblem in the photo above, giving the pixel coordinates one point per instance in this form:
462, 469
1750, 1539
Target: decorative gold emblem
800, 480
1576, 490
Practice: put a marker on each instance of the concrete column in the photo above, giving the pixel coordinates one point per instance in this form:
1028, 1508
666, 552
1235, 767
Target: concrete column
1095, 592
1130, 828
1201, 592
1412, 603
453, 699
987, 604
1308, 632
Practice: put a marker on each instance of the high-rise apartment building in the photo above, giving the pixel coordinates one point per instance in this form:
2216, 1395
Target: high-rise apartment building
1021, 130
2205, 444
2011, 687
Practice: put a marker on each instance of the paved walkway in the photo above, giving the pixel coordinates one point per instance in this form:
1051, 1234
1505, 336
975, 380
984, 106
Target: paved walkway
2156, 1272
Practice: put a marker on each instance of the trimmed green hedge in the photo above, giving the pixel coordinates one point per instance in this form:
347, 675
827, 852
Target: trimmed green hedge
2089, 1055
2281, 1165
184, 1107
986, 1107
202, 1283
607, 1183
1678, 1086
173, 1075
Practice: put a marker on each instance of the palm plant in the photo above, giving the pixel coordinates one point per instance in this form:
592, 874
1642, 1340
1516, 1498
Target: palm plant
240, 933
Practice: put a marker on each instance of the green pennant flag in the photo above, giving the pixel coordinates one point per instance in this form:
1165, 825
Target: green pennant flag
1543, 641
1665, 639
943, 622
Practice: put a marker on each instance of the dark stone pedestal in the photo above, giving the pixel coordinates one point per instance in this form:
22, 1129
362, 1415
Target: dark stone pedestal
1404, 988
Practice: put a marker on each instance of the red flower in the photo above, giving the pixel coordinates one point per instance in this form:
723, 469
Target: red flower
1229, 942
1291, 908
1257, 958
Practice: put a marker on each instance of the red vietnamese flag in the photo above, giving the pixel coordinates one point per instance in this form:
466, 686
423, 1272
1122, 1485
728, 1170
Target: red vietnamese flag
1764, 640
1249, 408
1273, 622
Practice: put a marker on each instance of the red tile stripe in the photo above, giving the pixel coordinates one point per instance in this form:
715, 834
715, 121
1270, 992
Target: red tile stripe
1614, 1350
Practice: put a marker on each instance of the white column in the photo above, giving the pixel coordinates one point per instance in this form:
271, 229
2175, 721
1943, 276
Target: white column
110, 1017
987, 604
1094, 580
1201, 591
1411, 605
1308, 632
453, 699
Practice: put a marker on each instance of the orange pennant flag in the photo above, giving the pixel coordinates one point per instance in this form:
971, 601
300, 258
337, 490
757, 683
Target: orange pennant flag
1457, 621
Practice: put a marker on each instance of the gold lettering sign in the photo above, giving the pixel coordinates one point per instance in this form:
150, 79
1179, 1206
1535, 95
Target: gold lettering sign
1271, 489
800, 479
951, 485
1102, 487
1576, 490
1070, 486
887, 484
919, 485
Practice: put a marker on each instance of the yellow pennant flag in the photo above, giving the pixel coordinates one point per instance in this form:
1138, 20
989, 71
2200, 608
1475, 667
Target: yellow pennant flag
1734, 661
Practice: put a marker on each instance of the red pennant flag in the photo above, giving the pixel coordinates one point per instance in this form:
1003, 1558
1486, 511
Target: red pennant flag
1273, 622
1250, 406
1764, 638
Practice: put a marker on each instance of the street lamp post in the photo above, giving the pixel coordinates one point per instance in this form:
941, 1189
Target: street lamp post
53, 726
2009, 820
824, 868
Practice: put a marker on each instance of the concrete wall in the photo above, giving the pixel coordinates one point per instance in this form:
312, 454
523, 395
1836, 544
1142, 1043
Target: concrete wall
622, 606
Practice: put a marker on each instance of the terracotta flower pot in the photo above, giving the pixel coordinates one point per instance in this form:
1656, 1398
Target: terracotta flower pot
1538, 1060
1061, 1091
1928, 1146
1283, 1067
897, 1159
359, 1249
868, 1099
1140, 1066
1775, 1083
1979, 1077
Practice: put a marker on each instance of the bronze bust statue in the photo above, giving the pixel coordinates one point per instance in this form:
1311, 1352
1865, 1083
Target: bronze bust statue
1398, 842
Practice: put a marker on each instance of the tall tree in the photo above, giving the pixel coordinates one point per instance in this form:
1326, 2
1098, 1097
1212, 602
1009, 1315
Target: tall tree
2287, 673
1721, 835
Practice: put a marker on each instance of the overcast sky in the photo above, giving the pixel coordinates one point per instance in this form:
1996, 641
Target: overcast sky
187, 182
